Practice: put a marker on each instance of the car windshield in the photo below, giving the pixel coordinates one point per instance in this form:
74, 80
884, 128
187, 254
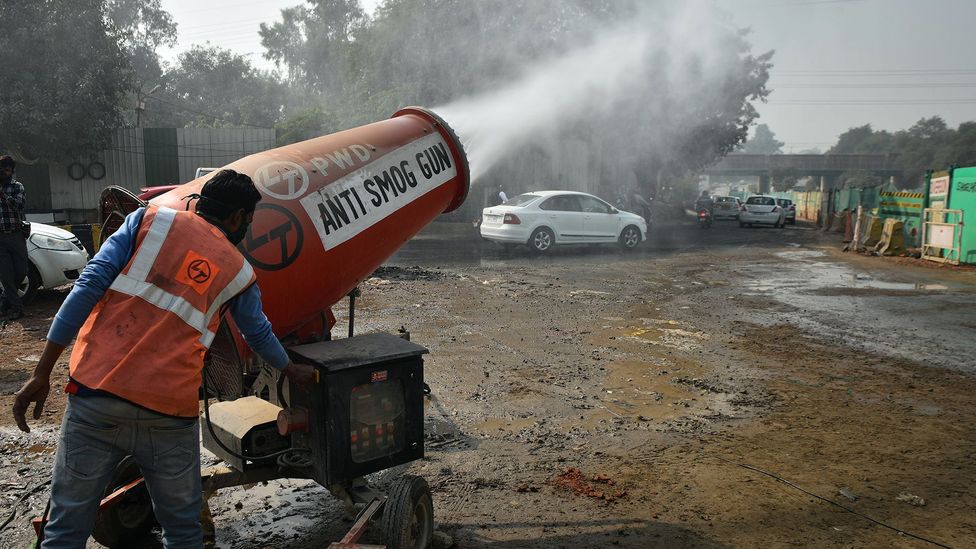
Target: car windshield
761, 201
725, 199
521, 199
783, 201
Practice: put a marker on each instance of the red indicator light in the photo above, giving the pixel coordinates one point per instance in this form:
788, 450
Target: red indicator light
354, 438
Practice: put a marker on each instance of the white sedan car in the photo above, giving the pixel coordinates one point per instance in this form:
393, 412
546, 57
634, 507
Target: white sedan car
543, 219
725, 207
761, 210
55, 258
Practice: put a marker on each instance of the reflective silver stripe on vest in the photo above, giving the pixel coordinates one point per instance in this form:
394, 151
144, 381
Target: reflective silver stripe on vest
134, 282
234, 287
150, 246
166, 301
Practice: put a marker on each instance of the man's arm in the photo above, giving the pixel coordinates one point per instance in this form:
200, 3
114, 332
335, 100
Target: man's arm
15, 199
250, 319
88, 289
95, 280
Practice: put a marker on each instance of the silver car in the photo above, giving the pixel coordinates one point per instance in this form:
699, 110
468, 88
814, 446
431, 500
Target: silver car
725, 207
761, 210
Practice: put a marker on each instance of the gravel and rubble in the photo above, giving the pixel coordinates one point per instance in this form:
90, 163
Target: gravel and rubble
642, 378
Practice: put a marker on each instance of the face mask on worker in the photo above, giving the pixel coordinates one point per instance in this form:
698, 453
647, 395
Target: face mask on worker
237, 236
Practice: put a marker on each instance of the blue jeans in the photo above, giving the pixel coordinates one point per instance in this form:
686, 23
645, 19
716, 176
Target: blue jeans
97, 433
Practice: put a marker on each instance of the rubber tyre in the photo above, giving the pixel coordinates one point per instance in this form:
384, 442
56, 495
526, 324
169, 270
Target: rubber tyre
630, 237
408, 516
132, 518
28, 288
542, 240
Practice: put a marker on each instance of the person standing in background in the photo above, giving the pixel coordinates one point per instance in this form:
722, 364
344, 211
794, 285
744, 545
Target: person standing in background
13, 239
502, 197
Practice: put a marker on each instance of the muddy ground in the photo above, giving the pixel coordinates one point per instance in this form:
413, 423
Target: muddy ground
594, 398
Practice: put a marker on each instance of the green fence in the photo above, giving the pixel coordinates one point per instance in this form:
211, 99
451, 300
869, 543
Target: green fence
907, 207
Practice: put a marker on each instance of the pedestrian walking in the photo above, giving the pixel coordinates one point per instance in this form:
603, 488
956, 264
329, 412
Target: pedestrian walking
145, 310
502, 197
14, 230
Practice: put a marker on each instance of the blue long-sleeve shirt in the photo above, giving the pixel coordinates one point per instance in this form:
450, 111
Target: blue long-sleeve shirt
113, 256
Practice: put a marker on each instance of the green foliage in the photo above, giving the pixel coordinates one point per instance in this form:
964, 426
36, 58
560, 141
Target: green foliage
928, 144
61, 97
144, 26
433, 52
214, 87
306, 124
763, 142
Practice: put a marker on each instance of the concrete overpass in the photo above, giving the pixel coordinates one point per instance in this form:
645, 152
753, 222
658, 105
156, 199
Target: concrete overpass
825, 166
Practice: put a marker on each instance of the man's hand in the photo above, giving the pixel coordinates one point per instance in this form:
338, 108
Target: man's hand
35, 390
302, 374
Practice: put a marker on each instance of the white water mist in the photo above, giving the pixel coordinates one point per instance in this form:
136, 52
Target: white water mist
583, 85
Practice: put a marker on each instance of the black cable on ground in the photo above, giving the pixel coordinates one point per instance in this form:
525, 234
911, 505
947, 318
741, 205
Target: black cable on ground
27, 494
832, 502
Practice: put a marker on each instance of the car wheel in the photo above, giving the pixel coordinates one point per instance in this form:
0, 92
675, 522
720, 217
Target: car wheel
28, 288
542, 240
630, 237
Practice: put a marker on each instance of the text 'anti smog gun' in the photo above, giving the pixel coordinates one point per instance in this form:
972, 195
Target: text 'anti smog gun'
334, 209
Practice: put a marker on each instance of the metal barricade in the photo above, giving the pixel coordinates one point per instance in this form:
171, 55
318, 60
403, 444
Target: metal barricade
942, 235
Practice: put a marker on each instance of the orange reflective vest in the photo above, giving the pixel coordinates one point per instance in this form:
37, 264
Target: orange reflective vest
146, 337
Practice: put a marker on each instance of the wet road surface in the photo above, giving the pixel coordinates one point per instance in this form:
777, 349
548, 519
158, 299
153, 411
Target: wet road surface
586, 397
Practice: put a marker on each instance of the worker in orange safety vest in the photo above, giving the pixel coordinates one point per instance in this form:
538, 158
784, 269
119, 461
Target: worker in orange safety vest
145, 311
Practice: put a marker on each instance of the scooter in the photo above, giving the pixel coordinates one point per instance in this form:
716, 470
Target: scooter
704, 219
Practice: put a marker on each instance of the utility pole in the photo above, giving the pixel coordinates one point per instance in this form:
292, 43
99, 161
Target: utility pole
141, 103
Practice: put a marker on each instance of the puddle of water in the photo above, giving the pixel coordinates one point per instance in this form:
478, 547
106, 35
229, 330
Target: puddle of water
634, 388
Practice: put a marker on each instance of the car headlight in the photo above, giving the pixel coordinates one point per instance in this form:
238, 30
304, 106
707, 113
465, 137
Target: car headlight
51, 243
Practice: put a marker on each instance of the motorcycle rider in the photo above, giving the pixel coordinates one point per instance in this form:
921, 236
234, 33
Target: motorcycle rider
704, 202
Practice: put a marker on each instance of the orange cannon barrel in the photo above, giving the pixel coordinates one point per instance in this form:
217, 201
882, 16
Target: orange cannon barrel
336, 207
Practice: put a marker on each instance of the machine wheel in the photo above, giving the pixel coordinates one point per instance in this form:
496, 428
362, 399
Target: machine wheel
130, 519
408, 516
630, 237
28, 288
542, 240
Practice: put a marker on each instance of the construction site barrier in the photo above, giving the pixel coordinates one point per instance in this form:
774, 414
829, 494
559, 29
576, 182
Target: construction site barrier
872, 228
942, 235
892, 240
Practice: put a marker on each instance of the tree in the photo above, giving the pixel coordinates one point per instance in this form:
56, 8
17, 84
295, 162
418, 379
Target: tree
144, 26
313, 42
65, 98
210, 86
683, 104
928, 144
763, 142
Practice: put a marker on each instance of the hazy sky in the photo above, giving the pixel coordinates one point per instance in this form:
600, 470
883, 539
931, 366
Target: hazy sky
838, 63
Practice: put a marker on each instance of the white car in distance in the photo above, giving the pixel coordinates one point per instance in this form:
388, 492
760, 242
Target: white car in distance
543, 219
725, 207
763, 210
55, 257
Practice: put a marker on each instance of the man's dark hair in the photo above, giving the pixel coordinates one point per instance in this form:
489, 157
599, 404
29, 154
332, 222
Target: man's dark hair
226, 192
6, 161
